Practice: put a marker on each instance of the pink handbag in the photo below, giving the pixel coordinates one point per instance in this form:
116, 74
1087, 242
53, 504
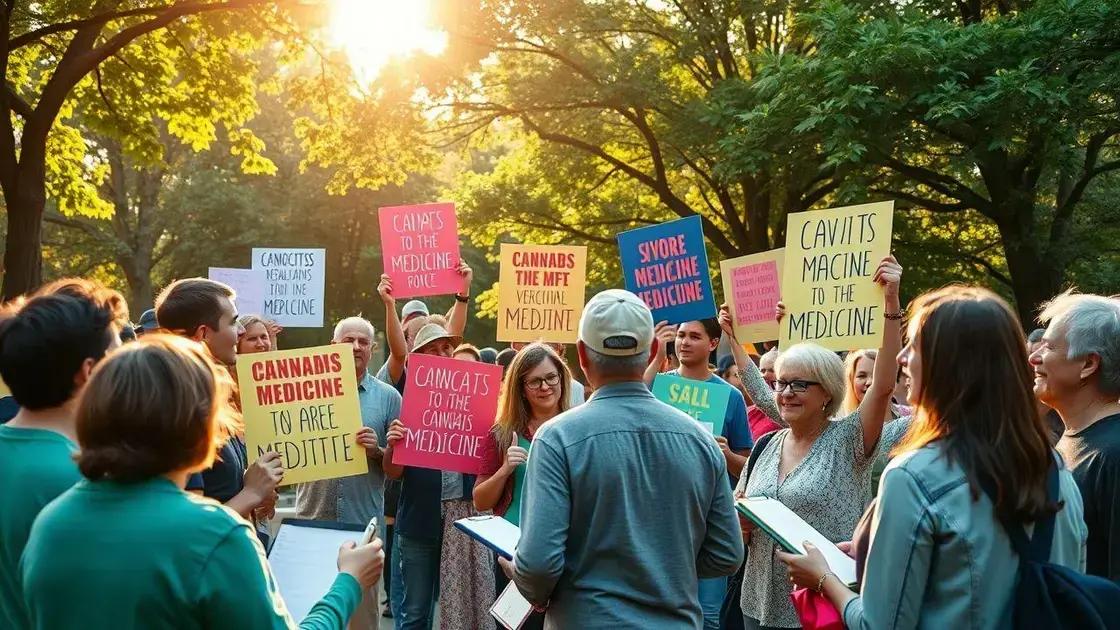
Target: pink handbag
815, 610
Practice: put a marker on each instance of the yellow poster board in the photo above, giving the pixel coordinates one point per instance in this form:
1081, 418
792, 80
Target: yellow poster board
751, 289
303, 404
541, 292
4, 391
827, 286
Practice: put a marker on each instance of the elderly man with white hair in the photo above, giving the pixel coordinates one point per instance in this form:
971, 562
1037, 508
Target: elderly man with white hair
1077, 373
358, 498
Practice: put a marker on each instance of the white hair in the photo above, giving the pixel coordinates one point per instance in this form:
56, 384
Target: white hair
1090, 325
820, 365
610, 366
351, 321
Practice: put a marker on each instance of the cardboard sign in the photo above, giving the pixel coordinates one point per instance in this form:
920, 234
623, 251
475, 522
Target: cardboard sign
752, 286
303, 404
831, 258
705, 402
666, 265
541, 292
294, 282
420, 249
448, 409
248, 286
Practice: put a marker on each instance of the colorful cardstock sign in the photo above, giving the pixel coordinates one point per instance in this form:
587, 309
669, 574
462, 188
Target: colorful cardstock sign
666, 265
303, 404
248, 286
705, 402
294, 283
541, 292
831, 258
449, 407
420, 249
752, 287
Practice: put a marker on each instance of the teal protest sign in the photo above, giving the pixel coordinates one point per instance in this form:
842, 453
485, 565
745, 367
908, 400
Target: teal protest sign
705, 402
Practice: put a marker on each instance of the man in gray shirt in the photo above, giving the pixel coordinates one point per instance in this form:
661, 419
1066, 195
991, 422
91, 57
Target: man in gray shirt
626, 501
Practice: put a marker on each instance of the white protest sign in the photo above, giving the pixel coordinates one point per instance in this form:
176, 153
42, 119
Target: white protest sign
294, 282
247, 285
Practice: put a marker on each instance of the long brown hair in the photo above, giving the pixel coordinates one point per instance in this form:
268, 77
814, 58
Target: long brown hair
976, 397
513, 408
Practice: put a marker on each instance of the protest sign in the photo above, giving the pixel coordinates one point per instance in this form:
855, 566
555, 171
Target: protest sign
827, 287
752, 287
541, 292
705, 402
294, 282
303, 404
420, 249
248, 286
449, 407
666, 265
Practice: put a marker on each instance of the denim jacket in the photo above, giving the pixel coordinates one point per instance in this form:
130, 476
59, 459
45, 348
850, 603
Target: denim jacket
939, 559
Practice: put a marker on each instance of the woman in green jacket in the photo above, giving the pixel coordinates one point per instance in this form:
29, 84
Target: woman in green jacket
126, 547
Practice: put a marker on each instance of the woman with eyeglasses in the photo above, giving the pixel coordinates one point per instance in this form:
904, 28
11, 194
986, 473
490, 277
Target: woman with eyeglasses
535, 391
820, 466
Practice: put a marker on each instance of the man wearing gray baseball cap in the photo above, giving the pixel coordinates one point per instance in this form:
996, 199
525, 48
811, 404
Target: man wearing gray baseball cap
626, 501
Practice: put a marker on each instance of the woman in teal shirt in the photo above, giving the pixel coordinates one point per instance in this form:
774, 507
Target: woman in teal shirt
127, 548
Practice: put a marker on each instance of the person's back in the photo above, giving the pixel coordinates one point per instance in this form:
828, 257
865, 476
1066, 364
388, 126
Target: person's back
645, 483
959, 568
130, 570
35, 467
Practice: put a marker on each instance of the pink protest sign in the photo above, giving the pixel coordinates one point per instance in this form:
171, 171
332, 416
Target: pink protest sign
756, 292
449, 407
752, 286
420, 249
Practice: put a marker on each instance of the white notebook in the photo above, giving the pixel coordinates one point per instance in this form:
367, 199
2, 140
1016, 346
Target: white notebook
791, 531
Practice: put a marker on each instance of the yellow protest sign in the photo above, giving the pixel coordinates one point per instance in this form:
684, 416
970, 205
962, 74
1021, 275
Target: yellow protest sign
831, 258
303, 404
541, 292
752, 286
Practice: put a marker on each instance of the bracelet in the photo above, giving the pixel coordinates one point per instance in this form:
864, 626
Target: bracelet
894, 317
820, 582
462, 298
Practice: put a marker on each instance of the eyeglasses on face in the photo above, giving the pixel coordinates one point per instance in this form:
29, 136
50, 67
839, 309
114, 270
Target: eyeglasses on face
797, 386
552, 380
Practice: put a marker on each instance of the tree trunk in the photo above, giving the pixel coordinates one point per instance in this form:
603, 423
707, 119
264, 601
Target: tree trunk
1035, 276
23, 245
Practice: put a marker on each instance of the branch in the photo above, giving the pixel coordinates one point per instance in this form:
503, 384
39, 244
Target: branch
73, 25
928, 204
16, 102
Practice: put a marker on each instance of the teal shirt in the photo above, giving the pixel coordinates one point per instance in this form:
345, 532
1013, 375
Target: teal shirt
513, 513
109, 555
35, 467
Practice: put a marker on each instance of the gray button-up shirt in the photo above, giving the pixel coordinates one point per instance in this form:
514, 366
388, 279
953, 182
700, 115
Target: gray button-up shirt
357, 498
626, 504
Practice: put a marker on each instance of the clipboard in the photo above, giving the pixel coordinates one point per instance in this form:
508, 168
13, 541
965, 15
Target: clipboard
304, 560
790, 531
493, 531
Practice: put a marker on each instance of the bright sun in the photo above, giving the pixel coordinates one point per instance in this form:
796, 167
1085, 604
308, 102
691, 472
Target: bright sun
374, 31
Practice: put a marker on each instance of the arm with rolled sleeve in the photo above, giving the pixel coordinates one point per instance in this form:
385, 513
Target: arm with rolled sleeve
237, 590
545, 517
902, 537
721, 553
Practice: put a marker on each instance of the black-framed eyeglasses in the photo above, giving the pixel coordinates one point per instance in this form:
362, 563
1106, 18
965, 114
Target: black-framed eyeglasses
552, 380
797, 386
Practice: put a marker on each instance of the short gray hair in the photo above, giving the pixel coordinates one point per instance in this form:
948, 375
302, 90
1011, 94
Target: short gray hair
358, 320
610, 366
820, 365
1090, 325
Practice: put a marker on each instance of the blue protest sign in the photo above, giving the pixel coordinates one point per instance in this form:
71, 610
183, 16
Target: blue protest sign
666, 265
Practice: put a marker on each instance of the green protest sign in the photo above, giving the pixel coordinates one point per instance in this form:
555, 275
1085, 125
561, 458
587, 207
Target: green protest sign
705, 402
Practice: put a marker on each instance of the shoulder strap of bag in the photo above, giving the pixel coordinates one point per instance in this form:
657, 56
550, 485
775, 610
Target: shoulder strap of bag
1037, 547
757, 450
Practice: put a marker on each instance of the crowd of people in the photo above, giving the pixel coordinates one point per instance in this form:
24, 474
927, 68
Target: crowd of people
131, 500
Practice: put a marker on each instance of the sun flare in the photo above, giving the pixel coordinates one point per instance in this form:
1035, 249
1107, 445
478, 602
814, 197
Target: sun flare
372, 32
